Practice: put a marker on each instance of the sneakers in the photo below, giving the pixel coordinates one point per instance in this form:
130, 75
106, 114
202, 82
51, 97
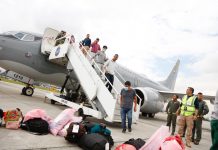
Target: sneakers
196, 142
124, 130
188, 145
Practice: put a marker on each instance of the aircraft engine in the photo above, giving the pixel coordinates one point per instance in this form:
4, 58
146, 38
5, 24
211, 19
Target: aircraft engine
152, 101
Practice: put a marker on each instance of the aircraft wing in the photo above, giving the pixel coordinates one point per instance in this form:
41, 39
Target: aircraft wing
169, 94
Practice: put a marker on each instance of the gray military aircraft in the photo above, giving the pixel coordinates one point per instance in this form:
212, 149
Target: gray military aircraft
22, 52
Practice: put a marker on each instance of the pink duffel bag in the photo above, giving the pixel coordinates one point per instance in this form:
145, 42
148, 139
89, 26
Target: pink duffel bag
155, 141
63, 119
37, 113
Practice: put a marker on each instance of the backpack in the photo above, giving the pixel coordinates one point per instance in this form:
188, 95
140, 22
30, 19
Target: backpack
137, 143
101, 129
75, 132
13, 118
92, 141
1, 113
37, 125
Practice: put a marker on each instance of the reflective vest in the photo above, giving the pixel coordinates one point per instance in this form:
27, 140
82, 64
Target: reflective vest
188, 107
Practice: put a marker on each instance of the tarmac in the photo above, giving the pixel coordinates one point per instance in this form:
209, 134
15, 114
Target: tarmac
11, 98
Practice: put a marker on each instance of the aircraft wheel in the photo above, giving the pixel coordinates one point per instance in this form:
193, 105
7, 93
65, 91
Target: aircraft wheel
144, 114
52, 101
23, 91
151, 115
29, 91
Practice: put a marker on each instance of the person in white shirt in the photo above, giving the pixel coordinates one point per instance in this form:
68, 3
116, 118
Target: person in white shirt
109, 67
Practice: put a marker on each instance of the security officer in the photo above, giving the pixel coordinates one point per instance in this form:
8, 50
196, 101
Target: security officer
203, 110
171, 109
188, 110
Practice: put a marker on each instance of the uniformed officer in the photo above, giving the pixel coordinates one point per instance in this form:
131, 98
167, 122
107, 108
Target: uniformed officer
188, 110
171, 109
203, 110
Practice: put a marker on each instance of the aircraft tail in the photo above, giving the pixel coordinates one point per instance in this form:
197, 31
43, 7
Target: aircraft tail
171, 79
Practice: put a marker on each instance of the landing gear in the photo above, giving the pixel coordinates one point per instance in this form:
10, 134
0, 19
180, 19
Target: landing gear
151, 115
144, 114
28, 91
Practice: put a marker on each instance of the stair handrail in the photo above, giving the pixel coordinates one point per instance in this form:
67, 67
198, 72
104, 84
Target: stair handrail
103, 74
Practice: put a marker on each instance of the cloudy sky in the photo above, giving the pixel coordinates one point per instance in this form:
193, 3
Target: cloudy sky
148, 35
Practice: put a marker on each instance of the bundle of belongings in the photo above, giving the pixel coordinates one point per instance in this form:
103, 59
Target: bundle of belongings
37, 122
131, 144
68, 124
90, 136
11, 118
161, 140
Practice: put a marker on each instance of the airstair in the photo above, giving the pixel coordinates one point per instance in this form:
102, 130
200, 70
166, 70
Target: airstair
105, 105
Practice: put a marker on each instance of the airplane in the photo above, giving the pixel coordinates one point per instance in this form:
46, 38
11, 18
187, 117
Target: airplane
23, 53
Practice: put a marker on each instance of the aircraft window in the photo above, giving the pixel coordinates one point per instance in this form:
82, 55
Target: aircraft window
19, 35
28, 37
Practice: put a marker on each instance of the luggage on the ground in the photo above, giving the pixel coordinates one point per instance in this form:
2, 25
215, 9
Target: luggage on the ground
92, 141
1, 113
173, 143
125, 147
13, 118
103, 130
137, 143
100, 128
36, 126
1, 116
62, 119
155, 141
75, 132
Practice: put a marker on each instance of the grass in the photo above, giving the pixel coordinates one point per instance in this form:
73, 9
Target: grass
20, 83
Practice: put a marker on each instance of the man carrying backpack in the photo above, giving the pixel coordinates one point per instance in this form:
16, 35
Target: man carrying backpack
128, 97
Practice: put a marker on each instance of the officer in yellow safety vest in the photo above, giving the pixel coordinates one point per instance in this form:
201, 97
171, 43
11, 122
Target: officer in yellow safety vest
188, 113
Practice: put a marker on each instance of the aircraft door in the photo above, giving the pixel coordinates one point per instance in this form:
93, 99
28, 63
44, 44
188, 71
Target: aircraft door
48, 40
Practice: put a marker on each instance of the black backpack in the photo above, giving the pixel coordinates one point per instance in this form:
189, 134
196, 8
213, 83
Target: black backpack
137, 143
73, 136
37, 126
1, 113
92, 141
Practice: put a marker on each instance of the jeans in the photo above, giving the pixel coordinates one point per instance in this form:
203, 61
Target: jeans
110, 77
124, 112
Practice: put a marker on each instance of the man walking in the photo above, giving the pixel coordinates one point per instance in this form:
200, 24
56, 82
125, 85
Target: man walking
188, 113
109, 68
203, 110
172, 107
127, 98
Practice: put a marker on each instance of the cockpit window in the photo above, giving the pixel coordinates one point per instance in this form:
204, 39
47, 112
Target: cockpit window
23, 36
19, 35
28, 37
